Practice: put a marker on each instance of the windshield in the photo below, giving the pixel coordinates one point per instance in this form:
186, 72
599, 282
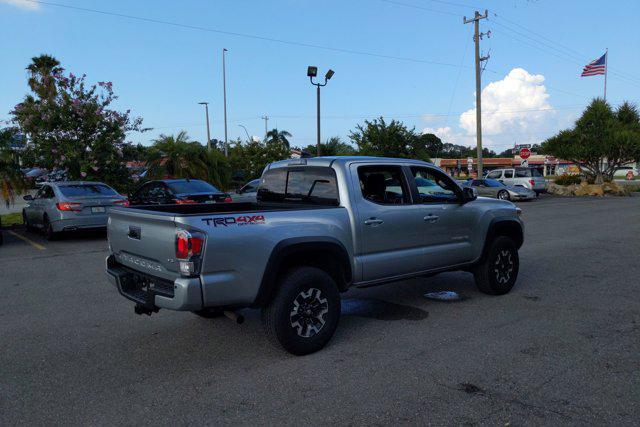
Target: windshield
493, 183
191, 186
87, 190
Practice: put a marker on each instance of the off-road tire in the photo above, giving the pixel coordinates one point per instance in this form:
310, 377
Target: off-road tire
279, 316
497, 272
209, 313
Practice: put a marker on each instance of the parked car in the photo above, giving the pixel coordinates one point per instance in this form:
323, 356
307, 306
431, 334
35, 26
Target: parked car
178, 192
498, 190
70, 206
248, 192
529, 178
319, 227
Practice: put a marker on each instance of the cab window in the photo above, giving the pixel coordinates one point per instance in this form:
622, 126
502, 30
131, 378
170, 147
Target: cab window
434, 186
384, 185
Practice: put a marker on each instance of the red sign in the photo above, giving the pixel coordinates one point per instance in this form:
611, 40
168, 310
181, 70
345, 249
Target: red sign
525, 153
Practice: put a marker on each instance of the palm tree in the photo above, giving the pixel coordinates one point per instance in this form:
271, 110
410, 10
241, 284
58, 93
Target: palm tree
11, 179
278, 137
41, 70
176, 157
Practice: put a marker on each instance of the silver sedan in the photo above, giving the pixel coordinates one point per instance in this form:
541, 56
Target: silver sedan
498, 190
70, 206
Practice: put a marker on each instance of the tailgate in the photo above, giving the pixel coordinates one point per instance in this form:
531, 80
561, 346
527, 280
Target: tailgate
144, 241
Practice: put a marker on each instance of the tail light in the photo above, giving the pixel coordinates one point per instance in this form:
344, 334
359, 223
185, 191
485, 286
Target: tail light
124, 203
228, 199
69, 206
532, 182
189, 246
185, 201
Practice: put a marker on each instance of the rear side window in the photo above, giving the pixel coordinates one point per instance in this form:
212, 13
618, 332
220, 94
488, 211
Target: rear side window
508, 173
494, 174
523, 173
87, 190
315, 185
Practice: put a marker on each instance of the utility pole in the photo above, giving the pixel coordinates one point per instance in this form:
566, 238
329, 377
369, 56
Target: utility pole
266, 125
224, 89
477, 35
206, 110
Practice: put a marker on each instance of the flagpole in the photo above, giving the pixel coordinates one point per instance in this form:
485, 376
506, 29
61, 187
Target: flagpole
606, 70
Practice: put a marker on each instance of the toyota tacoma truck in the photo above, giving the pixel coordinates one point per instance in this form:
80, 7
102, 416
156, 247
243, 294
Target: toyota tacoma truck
319, 226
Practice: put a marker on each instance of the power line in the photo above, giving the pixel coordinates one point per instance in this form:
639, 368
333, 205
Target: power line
245, 35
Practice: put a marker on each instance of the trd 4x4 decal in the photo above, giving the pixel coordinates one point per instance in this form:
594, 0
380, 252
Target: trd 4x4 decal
235, 220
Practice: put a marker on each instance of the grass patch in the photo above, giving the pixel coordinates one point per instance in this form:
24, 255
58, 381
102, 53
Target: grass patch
11, 219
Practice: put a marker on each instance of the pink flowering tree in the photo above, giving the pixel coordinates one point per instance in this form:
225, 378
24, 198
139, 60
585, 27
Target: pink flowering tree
71, 125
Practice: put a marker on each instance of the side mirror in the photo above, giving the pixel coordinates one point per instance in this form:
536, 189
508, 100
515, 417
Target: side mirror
27, 197
469, 194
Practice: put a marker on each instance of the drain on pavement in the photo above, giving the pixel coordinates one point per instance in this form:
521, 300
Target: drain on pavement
447, 296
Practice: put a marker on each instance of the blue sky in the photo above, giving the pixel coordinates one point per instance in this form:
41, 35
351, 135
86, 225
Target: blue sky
161, 72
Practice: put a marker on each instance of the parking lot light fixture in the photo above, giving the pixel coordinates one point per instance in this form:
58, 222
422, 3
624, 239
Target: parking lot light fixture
311, 73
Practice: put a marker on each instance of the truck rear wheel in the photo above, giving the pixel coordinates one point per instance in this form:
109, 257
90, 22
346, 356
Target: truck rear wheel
498, 271
304, 312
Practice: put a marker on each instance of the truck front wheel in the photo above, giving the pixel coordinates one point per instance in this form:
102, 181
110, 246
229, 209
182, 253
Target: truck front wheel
498, 271
304, 312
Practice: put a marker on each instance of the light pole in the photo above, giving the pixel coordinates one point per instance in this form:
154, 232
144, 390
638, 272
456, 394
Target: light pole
311, 73
224, 90
206, 112
246, 131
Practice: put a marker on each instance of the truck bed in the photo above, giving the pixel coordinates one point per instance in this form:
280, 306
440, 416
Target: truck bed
209, 209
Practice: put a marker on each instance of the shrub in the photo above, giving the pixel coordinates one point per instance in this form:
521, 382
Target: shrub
568, 179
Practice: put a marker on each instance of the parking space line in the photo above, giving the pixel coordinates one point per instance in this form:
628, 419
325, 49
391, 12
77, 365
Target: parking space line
29, 241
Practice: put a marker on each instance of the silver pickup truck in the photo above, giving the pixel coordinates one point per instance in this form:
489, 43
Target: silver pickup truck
319, 227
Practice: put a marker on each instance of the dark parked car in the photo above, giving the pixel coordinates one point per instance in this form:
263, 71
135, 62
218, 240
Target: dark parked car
178, 192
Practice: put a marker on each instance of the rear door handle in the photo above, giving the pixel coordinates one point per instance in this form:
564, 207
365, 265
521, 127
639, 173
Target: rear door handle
431, 218
373, 221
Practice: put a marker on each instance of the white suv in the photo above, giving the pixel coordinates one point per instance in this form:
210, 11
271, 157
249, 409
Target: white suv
524, 177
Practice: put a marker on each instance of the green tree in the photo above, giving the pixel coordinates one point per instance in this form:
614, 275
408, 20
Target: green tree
12, 180
394, 139
601, 141
176, 157
248, 160
274, 136
218, 168
72, 126
332, 147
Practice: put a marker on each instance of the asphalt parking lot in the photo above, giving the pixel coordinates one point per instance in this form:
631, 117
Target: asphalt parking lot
561, 348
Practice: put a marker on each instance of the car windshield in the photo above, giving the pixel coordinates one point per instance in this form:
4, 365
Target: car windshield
493, 183
191, 186
87, 190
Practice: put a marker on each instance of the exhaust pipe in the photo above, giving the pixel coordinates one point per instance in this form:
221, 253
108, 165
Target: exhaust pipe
236, 317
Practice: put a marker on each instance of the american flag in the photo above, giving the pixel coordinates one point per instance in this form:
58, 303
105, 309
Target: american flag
596, 67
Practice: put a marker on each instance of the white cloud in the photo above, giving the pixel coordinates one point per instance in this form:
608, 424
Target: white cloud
516, 106
23, 4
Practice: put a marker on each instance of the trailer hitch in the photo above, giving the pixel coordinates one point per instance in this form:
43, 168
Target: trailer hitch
141, 309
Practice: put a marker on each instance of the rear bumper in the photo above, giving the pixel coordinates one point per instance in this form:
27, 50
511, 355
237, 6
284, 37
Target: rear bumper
80, 223
183, 294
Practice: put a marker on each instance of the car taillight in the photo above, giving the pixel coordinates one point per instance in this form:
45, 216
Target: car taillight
185, 201
124, 203
188, 250
228, 199
69, 206
531, 182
